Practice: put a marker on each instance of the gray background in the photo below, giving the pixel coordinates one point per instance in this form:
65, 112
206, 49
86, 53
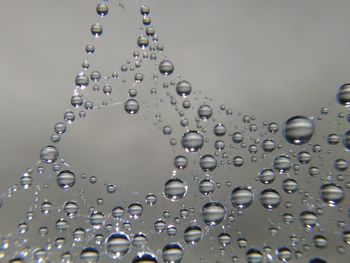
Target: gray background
272, 59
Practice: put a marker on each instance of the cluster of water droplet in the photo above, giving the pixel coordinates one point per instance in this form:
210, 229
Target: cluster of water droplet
216, 205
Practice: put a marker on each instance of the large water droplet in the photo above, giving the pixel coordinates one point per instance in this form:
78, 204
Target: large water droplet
298, 130
65, 179
117, 245
183, 88
331, 194
131, 106
49, 154
145, 257
175, 189
193, 234
192, 141
166, 67
172, 253
270, 198
343, 95
241, 197
213, 213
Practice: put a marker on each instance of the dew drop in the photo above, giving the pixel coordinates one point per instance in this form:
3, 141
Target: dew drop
192, 235
205, 112
96, 30
183, 88
89, 255
241, 197
131, 106
343, 95
166, 67
213, 213
49, 154
331, 194
102, 9
270, 198
145, 257
207, 163
192, 141
175, 189
172, 253
282, 164
117, 245
298, 130
180, 162
206, 187
65, 179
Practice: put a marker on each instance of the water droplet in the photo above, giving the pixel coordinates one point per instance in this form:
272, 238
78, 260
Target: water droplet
60, 127
151, 199
341, 165
192, 235
142, 41
95, 75
146, 20
97, 219
237, 137
172, 253
320, 241
81, 80
166, 67
346, 237
205, 112
284, 254
90, 49
282, 164
308, 219
180, 162
49, 154
290, 186
238, 161
254, 256
131, 106
69, 116
139, 240
331, 194
175, 189
71, 208
135, 210
183, 88
102, 9
89, 255
96, 30
224, 239
192, 141
304, 157
167, 130
145, 258
268, 145
298, 130
117, 245
267, 176
65, 179
118, 212
343, 95
207, 163
270, 198
145, 10
206, 187
213, 213
241, 197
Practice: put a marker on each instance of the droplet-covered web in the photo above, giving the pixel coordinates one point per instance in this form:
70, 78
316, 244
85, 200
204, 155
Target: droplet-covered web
211, 207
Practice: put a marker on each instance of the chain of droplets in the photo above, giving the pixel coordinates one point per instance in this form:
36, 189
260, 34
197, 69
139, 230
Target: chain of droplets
297, 131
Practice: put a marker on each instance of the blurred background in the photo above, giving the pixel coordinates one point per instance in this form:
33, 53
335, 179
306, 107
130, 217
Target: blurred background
271, 59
